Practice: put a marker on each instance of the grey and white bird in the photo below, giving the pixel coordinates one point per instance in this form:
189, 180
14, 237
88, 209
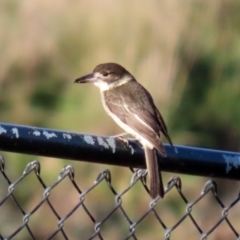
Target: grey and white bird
133, 109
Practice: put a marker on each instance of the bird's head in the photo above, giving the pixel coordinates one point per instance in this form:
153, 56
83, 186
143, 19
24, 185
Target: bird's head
107, 76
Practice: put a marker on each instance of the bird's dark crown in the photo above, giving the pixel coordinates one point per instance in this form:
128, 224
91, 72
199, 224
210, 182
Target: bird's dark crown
111, 69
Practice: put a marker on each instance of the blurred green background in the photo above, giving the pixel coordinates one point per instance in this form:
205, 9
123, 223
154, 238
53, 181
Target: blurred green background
186, 53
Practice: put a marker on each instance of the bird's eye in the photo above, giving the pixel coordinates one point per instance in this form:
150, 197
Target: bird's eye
104, 74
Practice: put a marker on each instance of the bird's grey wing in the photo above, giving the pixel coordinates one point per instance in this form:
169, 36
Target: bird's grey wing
137, 118
158, 118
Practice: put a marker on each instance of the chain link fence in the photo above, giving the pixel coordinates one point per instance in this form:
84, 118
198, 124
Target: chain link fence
74, 216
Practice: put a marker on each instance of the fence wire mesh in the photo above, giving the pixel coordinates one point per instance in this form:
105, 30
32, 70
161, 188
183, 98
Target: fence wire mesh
44, 219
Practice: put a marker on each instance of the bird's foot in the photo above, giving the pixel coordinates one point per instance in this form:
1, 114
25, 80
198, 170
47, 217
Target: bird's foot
120, 137
123, 139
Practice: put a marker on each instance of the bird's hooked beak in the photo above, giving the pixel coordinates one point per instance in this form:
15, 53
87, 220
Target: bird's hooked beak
90, 78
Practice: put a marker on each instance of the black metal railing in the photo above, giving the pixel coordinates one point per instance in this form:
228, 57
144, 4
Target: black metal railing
112, 151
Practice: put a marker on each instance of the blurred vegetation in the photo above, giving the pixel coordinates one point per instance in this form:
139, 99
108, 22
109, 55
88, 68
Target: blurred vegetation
186, 53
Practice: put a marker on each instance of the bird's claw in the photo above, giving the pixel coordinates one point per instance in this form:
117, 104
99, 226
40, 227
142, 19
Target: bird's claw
123, 140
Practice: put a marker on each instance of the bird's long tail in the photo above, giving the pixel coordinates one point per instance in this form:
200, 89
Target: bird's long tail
155, 177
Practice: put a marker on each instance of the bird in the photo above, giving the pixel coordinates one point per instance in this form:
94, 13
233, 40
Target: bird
132, 107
